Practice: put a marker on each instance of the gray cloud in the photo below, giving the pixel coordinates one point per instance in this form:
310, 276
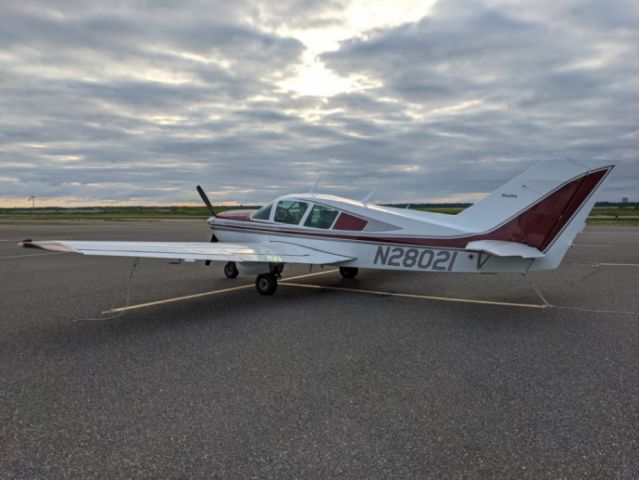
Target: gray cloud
133, 101
552, 85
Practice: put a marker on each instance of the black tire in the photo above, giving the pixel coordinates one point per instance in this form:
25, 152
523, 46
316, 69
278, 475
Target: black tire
230, 270
266, 284
348, 272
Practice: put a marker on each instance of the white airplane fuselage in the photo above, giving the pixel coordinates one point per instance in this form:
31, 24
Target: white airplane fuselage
369, 250
379, 237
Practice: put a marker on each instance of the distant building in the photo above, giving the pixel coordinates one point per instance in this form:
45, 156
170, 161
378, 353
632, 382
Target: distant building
624, 199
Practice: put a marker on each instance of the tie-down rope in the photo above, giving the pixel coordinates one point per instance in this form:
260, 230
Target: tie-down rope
136, 260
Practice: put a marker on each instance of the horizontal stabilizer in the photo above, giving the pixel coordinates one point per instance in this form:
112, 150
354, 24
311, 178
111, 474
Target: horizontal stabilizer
501, 248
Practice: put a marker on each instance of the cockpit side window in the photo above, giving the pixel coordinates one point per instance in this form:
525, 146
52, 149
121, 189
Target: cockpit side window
263, 213
290, 211
321, 217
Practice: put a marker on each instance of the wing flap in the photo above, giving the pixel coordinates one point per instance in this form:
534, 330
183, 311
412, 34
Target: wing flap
501, 248
275, 252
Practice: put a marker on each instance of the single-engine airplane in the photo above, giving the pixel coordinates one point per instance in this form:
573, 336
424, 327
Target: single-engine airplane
528, 224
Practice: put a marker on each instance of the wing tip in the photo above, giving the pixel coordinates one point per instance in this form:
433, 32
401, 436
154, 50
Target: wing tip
27, 243
47, 245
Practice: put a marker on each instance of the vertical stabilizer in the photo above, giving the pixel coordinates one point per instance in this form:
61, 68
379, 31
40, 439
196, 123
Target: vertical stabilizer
544, 207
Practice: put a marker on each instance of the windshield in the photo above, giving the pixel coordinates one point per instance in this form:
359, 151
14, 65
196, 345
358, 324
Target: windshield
263, 213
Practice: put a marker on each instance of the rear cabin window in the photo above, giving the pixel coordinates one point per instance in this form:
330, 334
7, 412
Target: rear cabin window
349, 222
263, 213
290, 211
321, 217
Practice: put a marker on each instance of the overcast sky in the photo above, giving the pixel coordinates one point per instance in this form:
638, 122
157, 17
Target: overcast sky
137, 102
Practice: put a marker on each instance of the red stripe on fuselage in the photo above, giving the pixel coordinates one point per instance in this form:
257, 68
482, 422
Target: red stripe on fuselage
537, 226
242, 215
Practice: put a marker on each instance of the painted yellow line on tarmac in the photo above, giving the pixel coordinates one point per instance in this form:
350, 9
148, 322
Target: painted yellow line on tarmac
616, 232
619, 264
594, 245
31, 255
417, 296
606, 264
203, 294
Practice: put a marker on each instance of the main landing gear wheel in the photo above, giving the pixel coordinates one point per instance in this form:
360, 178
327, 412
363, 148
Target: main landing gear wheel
348, 272
230, 270
266, 283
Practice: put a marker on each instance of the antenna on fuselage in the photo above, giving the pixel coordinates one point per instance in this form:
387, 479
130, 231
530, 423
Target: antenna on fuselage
369, 196
312, 190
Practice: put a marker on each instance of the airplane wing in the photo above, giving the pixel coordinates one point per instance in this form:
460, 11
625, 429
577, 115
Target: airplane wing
275, 252
501, 248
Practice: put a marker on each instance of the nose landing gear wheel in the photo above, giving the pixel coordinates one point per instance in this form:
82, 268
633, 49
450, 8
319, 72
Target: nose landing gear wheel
230, 270
266, 284
348, 272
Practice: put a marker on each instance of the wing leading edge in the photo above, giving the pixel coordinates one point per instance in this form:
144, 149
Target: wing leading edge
274, 252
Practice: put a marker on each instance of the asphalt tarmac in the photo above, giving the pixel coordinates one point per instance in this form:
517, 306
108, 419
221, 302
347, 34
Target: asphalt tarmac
430, 376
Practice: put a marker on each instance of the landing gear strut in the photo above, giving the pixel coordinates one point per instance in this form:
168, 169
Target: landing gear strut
213, 240
348, 272
230, 270
266, 283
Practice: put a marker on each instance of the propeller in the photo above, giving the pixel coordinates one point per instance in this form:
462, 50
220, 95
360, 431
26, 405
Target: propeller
206, 200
